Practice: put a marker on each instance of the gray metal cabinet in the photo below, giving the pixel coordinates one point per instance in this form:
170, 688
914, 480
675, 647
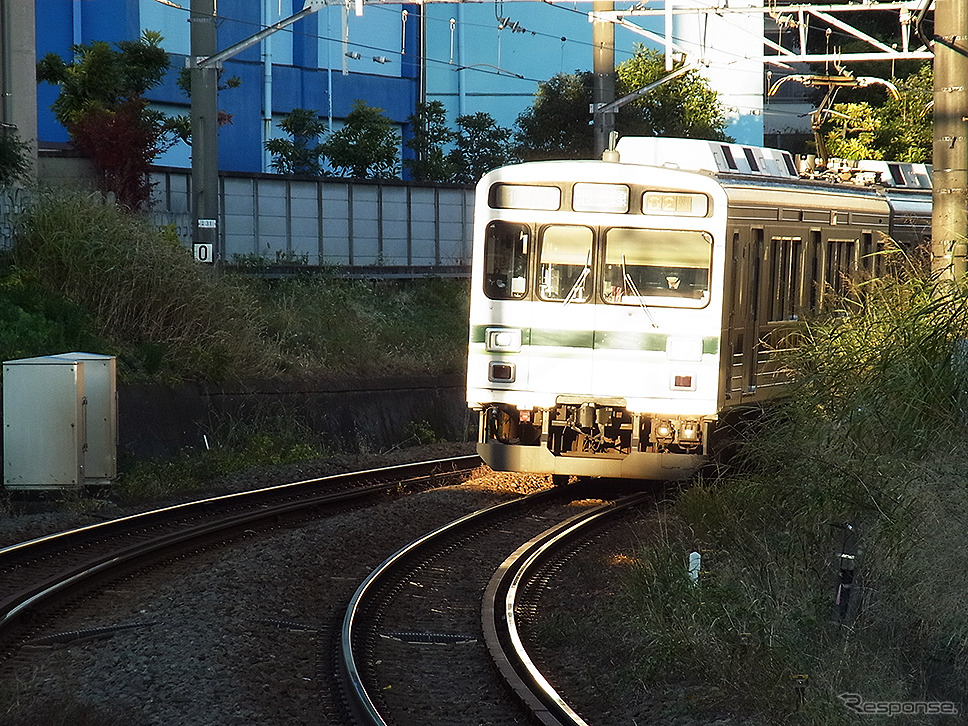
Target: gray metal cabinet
59, 421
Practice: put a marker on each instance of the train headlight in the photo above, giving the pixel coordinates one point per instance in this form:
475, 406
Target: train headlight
682, 382
663, 431
689, 433
503, 339
498, 372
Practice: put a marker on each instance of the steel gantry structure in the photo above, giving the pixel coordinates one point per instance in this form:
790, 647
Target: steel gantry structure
799, 21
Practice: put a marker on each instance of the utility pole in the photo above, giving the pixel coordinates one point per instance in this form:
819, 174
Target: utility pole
603, 39
949, 217
204, 119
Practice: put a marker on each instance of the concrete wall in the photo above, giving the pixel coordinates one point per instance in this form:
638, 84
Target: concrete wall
344, 223
156, 421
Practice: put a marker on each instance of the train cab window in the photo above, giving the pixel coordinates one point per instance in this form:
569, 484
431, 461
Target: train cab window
564, 263
506, 247
642, 263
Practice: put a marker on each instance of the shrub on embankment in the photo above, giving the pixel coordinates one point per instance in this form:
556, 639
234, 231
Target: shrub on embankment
84, 275
866, 458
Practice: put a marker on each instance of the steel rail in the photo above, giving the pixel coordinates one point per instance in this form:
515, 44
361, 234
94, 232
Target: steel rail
367, 596
499, 606
257, 506
58, 541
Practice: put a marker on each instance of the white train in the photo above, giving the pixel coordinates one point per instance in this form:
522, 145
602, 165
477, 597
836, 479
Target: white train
620, 309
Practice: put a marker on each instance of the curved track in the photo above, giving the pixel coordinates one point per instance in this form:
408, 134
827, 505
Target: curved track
44, 572
502, 602
414, 645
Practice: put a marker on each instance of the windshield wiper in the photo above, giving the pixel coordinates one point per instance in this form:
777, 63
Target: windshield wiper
627, 280
580, 282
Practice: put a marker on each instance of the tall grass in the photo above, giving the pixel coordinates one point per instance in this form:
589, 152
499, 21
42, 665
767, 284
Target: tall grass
86, 275
368, 327
866, 456
144, 293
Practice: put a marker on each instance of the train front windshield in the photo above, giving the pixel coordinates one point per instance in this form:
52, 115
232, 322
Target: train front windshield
625, 264
648, 262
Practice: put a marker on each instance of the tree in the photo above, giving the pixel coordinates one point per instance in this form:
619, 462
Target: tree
430, 134
301, 154
366, 147
896, 129
684, 107
181, 124
102, 106
14, 164
480, 145
559, 123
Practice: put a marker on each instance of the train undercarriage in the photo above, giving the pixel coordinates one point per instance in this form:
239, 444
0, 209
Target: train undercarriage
592, 439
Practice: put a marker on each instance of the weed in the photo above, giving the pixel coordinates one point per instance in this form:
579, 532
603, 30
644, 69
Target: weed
85, 275
419, 432
138, 287
864, 458
233, 446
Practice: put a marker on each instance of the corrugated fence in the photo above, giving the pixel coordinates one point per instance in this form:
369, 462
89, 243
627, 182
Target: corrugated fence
306, 222
329, 222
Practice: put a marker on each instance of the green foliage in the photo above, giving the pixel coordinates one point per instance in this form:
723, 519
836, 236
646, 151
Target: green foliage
419, 432
479, 146
871, 436
86, 276
101, 78
235, 446
896, 129
684, 107
14, 164
145, 295
366, 147
558, 124
34, 322
181, 125
102, 106
430, 134
883, 380
368, 327
302, 153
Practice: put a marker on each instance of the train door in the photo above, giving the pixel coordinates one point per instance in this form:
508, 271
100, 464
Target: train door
743, 323
753, 313
562, 335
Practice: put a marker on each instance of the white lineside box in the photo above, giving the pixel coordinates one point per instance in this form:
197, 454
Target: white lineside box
60, 426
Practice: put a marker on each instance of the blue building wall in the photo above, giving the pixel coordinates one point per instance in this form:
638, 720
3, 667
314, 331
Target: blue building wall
474, 64
307, 62
474, 57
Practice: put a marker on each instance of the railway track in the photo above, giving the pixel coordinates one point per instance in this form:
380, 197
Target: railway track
43, 573
261, 648
417, 645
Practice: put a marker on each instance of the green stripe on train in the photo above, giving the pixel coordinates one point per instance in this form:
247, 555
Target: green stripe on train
598, 339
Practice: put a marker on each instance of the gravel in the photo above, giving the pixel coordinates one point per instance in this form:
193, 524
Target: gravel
243, 635
238, 636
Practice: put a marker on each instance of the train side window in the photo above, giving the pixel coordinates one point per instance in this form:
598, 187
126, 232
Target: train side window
815, 254
785, 277
868, 260
650, 262
506, 249
564, 263
840, 265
